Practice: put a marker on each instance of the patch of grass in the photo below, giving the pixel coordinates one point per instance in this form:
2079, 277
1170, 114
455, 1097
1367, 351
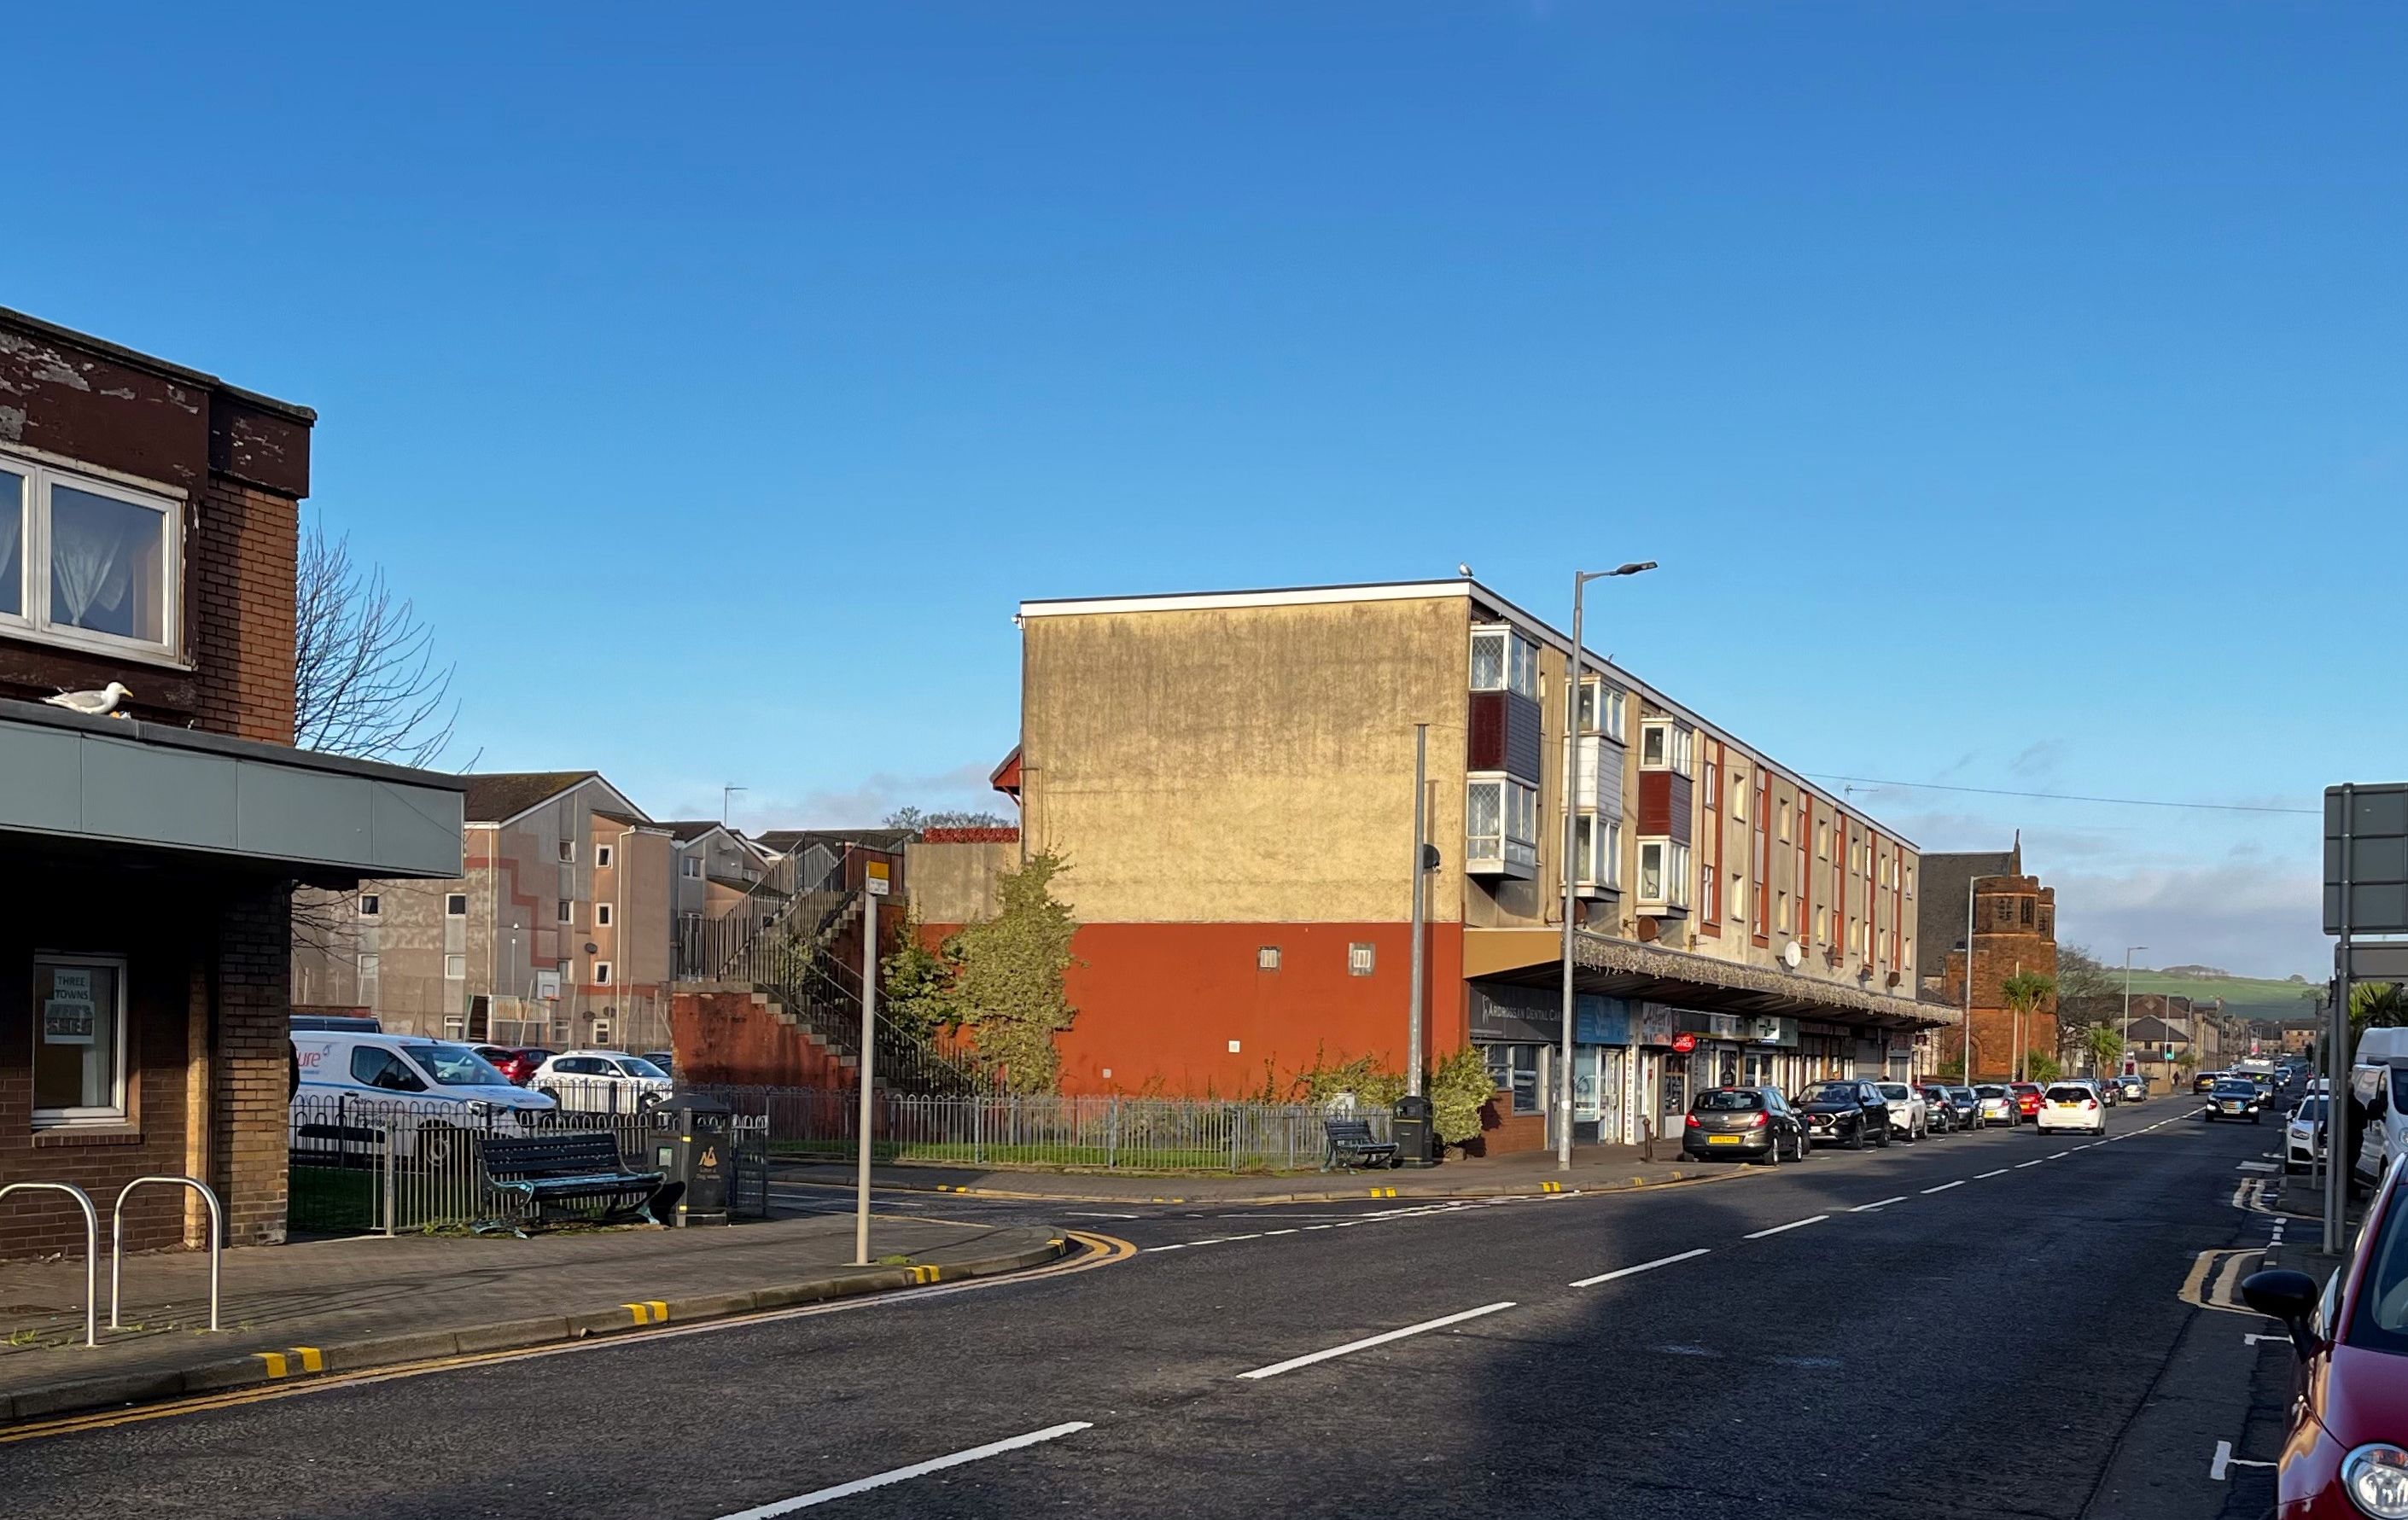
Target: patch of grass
895, 1261
2246, 997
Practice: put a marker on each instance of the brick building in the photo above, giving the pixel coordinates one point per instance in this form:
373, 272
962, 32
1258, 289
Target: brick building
147, 538
2014, 929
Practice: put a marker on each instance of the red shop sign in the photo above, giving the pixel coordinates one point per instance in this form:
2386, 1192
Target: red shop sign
1684, 1043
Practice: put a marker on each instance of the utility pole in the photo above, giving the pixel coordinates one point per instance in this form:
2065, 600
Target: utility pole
2127, 994
1564, 863
868, 1072
1414, 1055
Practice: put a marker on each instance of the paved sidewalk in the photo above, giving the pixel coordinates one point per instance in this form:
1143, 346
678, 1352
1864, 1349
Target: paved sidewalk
371, 1301
1594, 1167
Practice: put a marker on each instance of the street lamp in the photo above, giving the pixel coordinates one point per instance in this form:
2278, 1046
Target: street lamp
2128, 998
1571, 821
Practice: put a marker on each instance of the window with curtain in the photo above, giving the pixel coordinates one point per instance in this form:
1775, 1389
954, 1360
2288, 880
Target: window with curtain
87, 561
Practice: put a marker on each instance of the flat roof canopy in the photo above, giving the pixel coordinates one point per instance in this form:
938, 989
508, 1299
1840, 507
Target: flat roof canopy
121, 782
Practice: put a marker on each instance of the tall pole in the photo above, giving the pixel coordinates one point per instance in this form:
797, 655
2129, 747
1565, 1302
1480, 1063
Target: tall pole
1570, 871
1421, 849
868, 1069
2127, 994
2337, 1053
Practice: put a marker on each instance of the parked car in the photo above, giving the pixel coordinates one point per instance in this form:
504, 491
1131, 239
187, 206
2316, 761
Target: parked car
2108, 1096
403, 1086
2135, 1087
1744, 1123
1910, 1117
2028, 1096
602, 1082
1968, 1107
2232, 1098
2072, 1105
2304, 1135
1948, 1116
2205, 1081
350, 1024
1845, 1112
1997, 1103
2346, 1455
510, 1063
666, 1060
2378, 1087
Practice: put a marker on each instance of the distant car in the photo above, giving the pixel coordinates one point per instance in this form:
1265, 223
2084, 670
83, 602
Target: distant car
2304, 1135
1910, 1117
2346, 1454
417, 1092
666, 1060
1998, 1104
2072, 1105
1845, 1112
2233, 1097
602, 1082
2135, 1087
1743, 1123
2027, 1099
2205, 1081
510, 1063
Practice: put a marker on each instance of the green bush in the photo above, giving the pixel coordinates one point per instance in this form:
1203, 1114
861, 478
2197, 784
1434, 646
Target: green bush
1457, 1089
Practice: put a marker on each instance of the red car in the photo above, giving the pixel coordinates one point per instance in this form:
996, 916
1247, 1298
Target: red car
2027, 1100
2346, 1456
516, 1064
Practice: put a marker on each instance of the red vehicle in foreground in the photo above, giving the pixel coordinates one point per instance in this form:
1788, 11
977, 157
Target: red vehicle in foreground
2346, 1456
2027, 1101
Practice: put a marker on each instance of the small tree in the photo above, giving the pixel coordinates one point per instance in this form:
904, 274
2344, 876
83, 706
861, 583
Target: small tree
917, 986
2024, 992
1459, 1086
2375, 1005
2103, 1045
1005, 977
2040, 1065
364, 680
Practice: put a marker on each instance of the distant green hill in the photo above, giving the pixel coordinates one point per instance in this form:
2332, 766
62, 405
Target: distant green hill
2250, 996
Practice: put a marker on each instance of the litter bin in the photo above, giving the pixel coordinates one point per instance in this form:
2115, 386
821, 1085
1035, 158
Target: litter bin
696, 1148
1411, 1128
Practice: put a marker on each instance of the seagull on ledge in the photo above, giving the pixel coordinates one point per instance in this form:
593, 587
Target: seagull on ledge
99, 704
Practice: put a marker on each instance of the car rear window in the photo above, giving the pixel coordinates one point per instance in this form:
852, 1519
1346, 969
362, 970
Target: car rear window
1833, 1092
1730, 1100
2068, 1094
1987, 1091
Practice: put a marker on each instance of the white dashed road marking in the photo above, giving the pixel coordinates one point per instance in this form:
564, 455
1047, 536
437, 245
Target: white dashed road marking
1867, 1207
1945, 1187
1979, 1175
976, 1453
1642, 1266
1795, 1224
1367, 1341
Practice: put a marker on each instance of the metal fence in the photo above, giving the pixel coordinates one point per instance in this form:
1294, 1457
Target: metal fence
390, 1165
1146, 1134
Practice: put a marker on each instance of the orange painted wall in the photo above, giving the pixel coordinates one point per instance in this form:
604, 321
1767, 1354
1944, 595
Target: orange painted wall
1158, 1003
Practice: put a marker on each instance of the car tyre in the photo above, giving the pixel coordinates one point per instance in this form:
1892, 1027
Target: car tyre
1858, 1139
1884, 1137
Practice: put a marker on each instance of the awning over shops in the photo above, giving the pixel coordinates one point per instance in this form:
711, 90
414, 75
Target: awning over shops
1650, 973
69, 781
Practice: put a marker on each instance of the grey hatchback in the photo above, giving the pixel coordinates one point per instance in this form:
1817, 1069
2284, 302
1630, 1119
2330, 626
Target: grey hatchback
1743, 1123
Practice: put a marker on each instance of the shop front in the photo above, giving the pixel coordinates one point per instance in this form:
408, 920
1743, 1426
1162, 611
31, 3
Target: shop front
1519, 1031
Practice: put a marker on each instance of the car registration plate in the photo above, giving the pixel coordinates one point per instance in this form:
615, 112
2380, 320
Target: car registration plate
1722, 1139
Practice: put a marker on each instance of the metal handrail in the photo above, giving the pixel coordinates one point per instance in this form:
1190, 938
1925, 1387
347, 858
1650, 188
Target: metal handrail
117, 1238
90, 1251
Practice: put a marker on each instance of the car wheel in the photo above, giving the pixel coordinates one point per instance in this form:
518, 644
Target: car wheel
1856, 1139
1884, 1137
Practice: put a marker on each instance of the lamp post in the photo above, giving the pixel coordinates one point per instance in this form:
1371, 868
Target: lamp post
1571, 824
2128, 995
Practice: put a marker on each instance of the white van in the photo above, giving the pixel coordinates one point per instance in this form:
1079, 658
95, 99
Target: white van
351, 1083
2378, 1080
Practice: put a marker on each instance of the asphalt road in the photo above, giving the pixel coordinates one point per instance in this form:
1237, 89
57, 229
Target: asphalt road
1979, 1325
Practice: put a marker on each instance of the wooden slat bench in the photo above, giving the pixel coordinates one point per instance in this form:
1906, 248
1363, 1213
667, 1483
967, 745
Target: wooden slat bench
576, 1167
1351, 1145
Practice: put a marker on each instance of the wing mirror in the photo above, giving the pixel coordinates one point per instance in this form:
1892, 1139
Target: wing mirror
2290, 1296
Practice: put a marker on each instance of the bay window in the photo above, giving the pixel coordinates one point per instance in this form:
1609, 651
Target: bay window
1601, 709
1596, 851
1665, 745
1503, 661
89, 563
1500, 826
1663, 873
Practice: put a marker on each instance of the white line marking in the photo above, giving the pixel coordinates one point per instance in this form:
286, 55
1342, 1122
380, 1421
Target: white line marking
1795, 1224
976, 1453
1226, 1239
1269, 1233
2223, 1459
1945, 1187
2060, 1156
2260, 1166
2033, 1162
1642, 1266
1307, 1360
2253, 1339
1077, 1213
2001, 1172
1321, 1227
1867, 1207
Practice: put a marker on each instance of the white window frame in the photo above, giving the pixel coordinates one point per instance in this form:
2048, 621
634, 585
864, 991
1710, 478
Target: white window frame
601, 973
1781, 914
368, 965
452, 959
1596, 840
565, 913
568, 851
1673, 880
34, 564
601, 916
1362, 958
1739, 793
1518, 671
602, 857
80, 1116
1517, 804
371, 905
1649, 732
690, 868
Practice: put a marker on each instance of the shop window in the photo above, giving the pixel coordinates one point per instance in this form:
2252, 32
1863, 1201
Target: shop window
1514, 1068
78, 1040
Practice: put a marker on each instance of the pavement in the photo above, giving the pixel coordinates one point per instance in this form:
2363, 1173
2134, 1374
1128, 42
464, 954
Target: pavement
1990, 1324
341, 1305
1594, 1167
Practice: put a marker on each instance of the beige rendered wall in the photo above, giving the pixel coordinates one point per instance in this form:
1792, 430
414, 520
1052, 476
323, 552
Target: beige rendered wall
1245, 765
955, 883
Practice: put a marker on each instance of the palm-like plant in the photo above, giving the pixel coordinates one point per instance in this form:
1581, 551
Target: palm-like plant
2024, 992
2103, 1044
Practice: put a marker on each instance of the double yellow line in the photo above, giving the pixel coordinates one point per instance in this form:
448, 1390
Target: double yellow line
652, 1315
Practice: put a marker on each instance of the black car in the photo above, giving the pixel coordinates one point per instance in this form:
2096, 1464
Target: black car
1948, 1116
1743, 1123
2233, 1097
1845, 1112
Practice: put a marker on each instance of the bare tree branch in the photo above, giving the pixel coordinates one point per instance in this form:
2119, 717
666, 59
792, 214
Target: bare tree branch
364, 678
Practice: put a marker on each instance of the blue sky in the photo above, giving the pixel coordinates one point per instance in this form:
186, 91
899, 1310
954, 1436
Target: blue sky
2007, 389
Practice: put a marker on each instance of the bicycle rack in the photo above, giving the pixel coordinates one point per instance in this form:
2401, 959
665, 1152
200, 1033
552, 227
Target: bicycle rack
117, 1238
91, 1250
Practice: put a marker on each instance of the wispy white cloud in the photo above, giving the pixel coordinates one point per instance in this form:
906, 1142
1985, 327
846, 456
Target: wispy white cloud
2251, 916
859, 804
